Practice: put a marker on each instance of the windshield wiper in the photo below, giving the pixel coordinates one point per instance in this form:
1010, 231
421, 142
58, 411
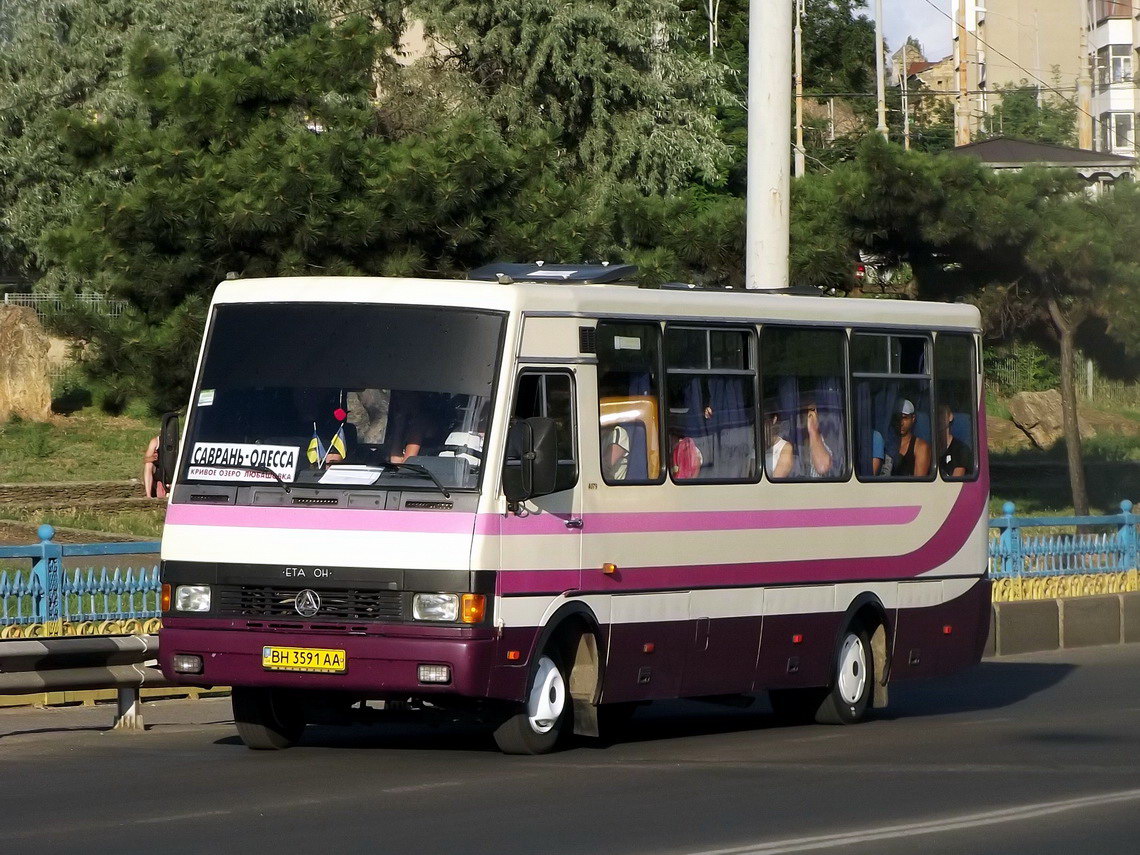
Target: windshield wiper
421, 470
264, 469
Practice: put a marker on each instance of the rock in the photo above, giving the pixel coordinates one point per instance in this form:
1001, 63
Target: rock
1039, 415
25, 387
1004, 435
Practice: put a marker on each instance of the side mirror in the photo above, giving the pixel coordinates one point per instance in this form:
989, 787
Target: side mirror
531, 468
167, 449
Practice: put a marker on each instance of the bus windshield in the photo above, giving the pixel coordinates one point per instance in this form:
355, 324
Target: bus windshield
338, 395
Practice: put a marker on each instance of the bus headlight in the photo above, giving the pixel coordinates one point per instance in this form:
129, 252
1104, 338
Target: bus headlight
192, 598
440, 607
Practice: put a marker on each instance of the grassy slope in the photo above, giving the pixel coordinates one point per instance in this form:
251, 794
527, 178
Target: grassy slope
81, 447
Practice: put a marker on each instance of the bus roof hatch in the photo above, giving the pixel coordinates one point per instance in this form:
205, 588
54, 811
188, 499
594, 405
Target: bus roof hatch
538, 271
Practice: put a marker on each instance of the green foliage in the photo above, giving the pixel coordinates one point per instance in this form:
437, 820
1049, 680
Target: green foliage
1022, 366
1022, 114
604, 79
73, 53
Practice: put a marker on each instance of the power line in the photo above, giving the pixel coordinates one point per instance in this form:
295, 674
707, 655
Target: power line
1019, 66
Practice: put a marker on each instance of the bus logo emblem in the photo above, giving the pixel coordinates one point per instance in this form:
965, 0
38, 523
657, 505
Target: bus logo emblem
307, 603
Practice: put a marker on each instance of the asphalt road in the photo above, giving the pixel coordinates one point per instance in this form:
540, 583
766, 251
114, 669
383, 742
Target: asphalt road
1030, 754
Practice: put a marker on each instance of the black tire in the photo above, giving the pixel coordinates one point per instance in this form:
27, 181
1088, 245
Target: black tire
267, 719
796, 706
518, 735
852, 680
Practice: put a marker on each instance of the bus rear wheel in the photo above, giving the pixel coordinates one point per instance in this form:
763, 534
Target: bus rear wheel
853, 680
267, 719
544, 720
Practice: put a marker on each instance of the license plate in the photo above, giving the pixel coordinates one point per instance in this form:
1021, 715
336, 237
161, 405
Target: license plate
304, 659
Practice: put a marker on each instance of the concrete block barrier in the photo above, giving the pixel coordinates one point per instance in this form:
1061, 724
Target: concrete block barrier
1130, 617
1089, 621
1027, 626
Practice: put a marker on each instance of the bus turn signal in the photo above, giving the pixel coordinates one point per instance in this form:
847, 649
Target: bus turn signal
472, 608
165, 599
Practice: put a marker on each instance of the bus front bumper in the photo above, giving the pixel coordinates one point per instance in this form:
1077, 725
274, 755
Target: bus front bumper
374, 664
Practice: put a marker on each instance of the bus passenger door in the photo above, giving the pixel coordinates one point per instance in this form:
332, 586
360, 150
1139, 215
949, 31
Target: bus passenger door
546, 536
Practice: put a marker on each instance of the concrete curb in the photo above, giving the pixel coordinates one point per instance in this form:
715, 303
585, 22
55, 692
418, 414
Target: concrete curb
1035, 625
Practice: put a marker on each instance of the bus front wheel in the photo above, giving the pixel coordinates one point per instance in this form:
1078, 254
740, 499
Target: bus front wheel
544, 720
267, 719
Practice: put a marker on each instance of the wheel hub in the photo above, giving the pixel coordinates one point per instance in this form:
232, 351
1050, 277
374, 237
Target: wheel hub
547, 697
852, 669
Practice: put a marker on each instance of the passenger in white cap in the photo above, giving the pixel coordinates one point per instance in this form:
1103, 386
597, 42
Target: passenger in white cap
913, 460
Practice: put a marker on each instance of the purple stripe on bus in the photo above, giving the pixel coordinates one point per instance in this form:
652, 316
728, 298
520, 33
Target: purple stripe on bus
323, 519
661, 521
945, 543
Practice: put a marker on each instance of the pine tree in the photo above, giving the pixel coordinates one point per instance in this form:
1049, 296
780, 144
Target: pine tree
73, 53
280, 165
611, 82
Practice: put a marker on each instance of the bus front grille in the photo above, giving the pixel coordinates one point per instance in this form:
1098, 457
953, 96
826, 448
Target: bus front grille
270, 602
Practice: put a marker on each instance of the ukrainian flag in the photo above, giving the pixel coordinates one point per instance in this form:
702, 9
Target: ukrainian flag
316, 453
337, 443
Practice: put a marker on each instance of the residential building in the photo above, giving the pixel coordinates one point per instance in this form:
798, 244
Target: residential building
1014, 43
1114, 33
1100, 170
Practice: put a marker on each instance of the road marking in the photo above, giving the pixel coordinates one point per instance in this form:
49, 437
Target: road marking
915, 829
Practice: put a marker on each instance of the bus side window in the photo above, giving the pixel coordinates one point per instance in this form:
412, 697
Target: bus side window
894, 428
551, 395
956, 406
804, 404
629, 359
711, 383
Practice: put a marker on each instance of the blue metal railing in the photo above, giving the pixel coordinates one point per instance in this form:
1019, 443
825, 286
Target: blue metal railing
1015, 554
50, 594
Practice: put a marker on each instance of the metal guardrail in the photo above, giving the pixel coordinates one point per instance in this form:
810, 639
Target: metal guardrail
49, 599
124, 663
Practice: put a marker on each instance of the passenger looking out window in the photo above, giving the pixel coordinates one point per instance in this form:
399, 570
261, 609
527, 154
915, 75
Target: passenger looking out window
804, 380
913, 459
779, 457
894, 434
956, 459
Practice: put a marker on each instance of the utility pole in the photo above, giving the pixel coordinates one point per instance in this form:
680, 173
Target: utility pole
880, 70
962, 107
904, 68
799, 89
769, 132
1084, 92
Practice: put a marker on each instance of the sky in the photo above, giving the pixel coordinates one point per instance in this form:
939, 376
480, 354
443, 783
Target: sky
902, 18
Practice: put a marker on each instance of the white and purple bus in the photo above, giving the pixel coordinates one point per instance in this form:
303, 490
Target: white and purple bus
542, 498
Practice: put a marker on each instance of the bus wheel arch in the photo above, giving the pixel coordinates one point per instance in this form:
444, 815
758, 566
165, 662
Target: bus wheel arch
861, 663
867, 610
570, 642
